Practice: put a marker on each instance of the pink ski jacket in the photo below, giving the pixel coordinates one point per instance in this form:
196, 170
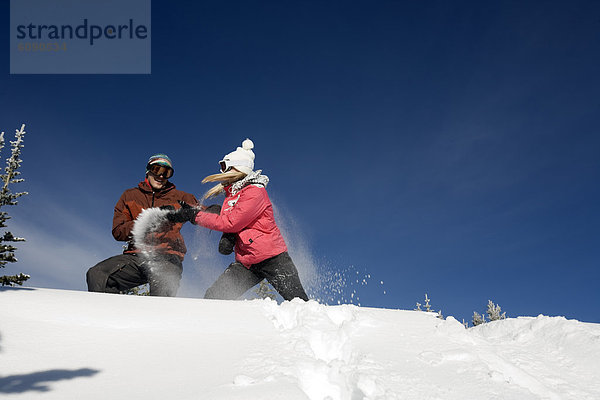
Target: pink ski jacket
249, 213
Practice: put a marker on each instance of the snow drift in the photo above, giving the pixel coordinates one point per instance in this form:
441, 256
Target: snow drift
64, 344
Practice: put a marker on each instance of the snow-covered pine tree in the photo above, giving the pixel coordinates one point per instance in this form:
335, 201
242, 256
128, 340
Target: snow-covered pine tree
494, 312
478, 319
7, 198
264, 290
427, 306
142, 290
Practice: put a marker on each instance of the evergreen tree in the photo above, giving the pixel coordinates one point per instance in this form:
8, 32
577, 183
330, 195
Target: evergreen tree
494, 312
427, 306
142, 290
478, 319
264, 290
7, 198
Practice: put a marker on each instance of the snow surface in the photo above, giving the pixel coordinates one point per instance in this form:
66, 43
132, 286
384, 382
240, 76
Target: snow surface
57, 344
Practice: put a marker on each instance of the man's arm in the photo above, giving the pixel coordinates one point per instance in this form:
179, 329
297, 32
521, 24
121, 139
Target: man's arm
123, 219
190, 199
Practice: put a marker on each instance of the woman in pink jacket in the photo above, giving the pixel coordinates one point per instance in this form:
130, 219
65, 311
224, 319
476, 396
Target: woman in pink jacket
245, 217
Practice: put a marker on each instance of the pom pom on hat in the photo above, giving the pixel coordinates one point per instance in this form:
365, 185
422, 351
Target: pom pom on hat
247, 144
242, 158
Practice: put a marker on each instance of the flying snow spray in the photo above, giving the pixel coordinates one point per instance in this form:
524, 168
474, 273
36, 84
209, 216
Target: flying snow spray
148, 223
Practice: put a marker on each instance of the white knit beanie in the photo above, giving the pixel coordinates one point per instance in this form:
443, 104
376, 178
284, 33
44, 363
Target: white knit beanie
242, 158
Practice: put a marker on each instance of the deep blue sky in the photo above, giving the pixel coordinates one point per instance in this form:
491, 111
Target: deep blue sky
448, 148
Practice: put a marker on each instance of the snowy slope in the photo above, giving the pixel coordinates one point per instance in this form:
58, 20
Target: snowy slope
65, 345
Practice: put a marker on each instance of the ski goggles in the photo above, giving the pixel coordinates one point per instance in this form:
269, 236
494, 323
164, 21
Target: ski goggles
160, 170
226, 165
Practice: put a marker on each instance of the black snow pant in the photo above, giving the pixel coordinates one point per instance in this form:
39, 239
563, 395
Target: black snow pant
279, 271
120, 273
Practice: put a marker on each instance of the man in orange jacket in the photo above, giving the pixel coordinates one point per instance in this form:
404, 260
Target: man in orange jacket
163, 269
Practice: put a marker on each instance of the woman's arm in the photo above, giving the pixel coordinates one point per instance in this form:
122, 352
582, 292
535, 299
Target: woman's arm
251, 203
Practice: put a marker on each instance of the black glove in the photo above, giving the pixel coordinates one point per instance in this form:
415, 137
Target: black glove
227, 243
167, 207
184, 214
213, 209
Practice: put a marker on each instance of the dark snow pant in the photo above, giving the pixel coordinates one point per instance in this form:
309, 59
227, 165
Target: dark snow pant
120, 273
279, 271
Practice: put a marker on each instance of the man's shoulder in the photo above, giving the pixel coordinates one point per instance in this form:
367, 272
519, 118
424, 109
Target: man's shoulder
132, 192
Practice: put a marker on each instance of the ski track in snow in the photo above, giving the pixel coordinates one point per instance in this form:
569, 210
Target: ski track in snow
542, 355
561, 355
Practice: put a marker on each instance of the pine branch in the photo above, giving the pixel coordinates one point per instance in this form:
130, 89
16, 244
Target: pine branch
11, 169
13, 279
9, 237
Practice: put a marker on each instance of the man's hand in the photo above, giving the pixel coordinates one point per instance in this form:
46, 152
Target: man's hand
184, 214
